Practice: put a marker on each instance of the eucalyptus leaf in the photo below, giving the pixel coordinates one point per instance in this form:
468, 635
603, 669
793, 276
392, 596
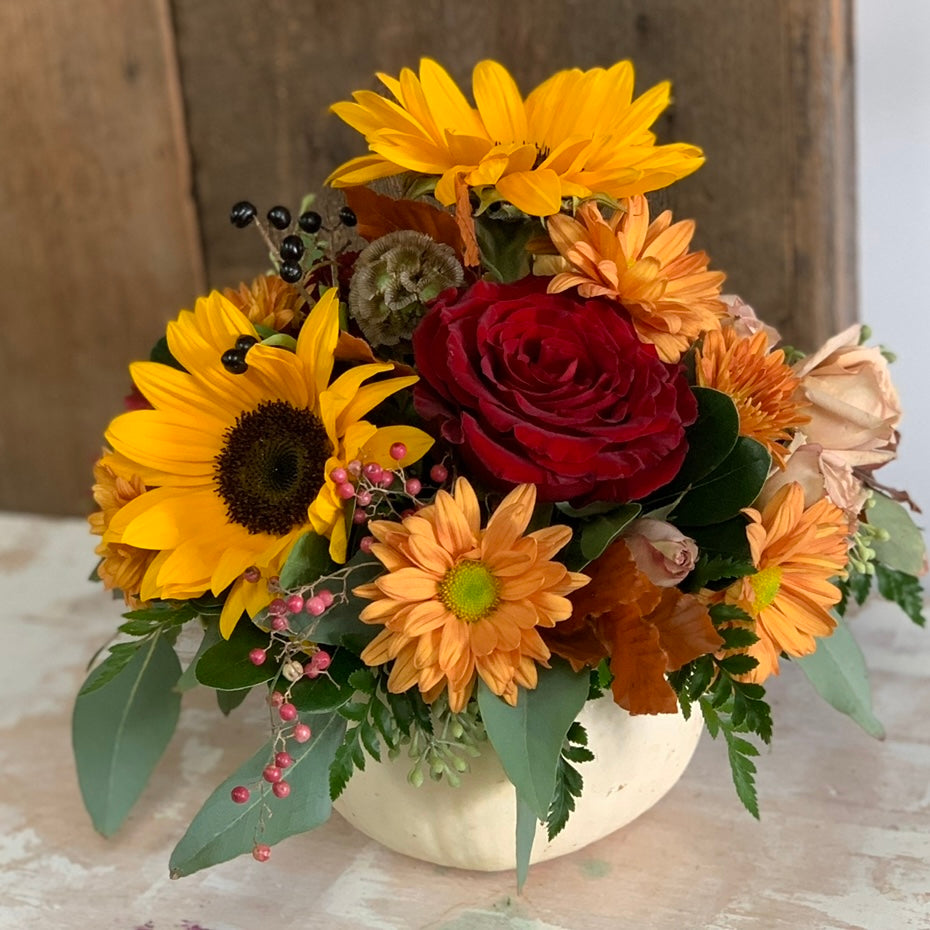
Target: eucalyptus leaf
228, 701
730, 487
226, 666
838, 673
120, 730
528, 738
904, 550
526, 833
308, 560
223, 829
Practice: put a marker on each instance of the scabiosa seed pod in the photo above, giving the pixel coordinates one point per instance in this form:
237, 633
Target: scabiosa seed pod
395, 277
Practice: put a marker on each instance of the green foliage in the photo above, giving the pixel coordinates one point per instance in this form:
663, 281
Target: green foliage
731, 486
903, 589
528, 738
717, 571
308, 560
568, 780
340, 625
211, 636
228, 701
856, 585
596, 533
525, 835
729, 705
838, 673
710, 438
330, 691
503, 246
120, 655
120, 728
903, 550
223, 829
162, 354
226, 666
370, 721
441, 742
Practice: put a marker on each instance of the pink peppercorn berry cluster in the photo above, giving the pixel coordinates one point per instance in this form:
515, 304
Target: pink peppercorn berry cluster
273, 773
439, 474
368, 483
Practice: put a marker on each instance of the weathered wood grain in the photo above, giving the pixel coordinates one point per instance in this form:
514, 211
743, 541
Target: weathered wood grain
765, 87
100, 241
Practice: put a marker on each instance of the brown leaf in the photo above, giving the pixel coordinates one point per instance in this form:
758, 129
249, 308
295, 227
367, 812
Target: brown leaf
379, 215
638, 664
466, 223
685, 628
574, 639
350, 348
615, 579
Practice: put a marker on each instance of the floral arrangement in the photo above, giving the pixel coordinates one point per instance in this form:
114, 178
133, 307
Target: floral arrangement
487, 431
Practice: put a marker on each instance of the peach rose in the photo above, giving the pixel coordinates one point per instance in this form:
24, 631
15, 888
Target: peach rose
821, 473
662, 553
854, 406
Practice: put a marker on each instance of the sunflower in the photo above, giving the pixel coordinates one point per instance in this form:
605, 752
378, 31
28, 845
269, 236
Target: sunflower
239, 465
121, 567
796, 552
669, 293
759, 382
458, 601
578, 133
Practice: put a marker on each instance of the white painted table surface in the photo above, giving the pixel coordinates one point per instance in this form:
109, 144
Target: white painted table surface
844, 840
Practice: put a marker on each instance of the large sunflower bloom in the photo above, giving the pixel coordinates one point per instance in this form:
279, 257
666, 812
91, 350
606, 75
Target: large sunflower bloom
796, 552
239, 465
578, 133
459, 601
669, 293
759, 382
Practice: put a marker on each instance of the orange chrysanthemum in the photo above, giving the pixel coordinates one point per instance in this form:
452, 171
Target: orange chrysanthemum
269, 301
459, 601
644, 629
122, 567
796, 552
760, 383
667, 290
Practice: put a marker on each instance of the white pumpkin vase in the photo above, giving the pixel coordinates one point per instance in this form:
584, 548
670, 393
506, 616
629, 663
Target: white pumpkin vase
637, 761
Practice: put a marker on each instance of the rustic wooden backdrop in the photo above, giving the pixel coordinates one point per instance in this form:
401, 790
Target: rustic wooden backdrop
128, 127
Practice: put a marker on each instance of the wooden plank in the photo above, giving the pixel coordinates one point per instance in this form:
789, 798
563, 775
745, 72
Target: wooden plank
99, 232
764, 87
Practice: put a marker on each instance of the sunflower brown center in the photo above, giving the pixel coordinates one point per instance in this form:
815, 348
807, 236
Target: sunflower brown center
470, 591
272, 467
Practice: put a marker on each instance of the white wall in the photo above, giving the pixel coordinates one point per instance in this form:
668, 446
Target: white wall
893, 139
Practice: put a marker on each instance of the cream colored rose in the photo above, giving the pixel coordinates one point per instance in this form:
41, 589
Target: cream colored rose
854, 405
662, 553
821, 473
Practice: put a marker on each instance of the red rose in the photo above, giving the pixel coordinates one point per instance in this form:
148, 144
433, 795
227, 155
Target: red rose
551, 390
